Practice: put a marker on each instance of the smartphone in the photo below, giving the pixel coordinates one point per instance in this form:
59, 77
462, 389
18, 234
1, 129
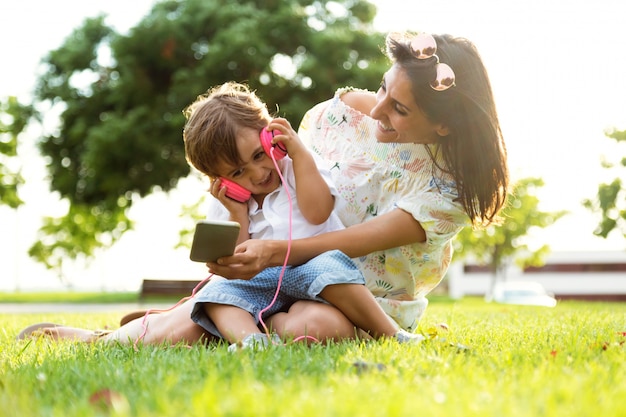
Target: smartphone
213, 239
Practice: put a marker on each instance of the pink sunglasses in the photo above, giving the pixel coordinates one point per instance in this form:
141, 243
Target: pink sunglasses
424, 46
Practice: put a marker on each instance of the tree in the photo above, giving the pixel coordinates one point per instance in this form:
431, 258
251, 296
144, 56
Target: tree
610, 202
497, 245
14, 117
122, 96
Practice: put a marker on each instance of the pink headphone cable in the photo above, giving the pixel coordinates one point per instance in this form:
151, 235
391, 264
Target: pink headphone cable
282, 271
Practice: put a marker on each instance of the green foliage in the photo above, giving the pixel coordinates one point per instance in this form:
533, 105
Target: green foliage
521, 361
194, 214
610, 201
14, 117
497, 244
121, 96
73, 236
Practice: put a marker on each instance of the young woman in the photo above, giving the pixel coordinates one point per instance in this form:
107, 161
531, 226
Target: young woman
414, 163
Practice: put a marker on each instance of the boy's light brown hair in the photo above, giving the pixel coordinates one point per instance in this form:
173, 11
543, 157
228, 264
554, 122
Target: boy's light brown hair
214, 121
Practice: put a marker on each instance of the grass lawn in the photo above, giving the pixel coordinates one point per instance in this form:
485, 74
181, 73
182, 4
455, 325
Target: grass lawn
519, 361
69, 297
85, 298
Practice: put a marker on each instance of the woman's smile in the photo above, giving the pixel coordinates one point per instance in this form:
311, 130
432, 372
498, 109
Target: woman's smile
384, 127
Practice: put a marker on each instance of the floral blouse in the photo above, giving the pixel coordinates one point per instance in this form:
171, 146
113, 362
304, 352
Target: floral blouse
375, 178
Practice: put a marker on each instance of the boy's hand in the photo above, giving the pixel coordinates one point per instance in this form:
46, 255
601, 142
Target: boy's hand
236, 209
288, 136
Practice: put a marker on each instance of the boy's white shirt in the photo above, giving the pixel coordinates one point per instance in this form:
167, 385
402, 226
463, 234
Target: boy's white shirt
272, 222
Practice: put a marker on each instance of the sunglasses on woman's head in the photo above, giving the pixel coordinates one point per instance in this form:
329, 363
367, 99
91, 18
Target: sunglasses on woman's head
424, 46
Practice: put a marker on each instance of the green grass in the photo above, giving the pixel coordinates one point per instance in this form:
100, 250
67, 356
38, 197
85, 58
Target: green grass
79, 297
520, 361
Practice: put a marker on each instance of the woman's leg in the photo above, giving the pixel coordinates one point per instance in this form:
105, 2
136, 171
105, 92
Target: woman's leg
313, 319
169, 327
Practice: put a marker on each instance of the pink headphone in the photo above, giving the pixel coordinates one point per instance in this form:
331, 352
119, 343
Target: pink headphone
236, 191
266, 140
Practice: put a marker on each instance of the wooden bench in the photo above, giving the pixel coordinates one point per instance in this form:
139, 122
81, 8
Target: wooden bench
166, 287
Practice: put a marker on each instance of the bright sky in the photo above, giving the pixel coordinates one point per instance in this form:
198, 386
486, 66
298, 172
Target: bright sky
557, 69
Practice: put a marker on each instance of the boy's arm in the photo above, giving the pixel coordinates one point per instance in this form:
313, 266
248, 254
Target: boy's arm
244, 224
315, 200
314, 197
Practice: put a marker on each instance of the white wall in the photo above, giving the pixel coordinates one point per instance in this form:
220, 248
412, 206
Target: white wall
558, 283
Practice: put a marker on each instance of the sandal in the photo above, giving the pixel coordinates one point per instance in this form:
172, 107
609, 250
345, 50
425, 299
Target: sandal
57, 331
28, 332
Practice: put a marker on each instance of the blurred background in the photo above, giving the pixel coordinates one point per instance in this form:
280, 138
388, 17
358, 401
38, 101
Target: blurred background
556, 69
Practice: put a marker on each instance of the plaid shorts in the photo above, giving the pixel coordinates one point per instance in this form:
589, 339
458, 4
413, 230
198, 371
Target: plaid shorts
302, 282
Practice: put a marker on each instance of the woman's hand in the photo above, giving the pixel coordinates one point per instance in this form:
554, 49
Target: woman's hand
250, 258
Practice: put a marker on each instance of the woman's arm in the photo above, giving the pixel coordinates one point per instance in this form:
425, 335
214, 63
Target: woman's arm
396, 228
